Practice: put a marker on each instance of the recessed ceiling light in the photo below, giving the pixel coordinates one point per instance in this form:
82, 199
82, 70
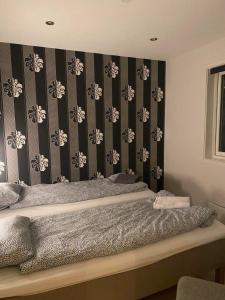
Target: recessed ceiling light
49, 23
153, 39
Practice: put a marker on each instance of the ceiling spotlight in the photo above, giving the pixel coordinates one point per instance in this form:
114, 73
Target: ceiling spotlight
50, 23
153, 39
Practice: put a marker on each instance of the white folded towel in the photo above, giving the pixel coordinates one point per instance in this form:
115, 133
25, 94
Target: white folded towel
168, 202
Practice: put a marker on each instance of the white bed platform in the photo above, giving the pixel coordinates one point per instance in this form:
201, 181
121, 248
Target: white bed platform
13, 283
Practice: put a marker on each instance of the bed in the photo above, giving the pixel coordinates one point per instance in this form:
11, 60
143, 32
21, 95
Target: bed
133, 274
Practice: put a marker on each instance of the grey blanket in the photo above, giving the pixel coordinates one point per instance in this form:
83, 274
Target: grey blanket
106, 230
44, 194
15, 241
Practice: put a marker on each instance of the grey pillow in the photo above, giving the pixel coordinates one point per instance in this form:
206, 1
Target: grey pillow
124, 178
164, 193
15, 241
9, 194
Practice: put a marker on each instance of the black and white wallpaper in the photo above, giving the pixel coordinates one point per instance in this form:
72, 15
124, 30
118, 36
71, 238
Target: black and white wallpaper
70, 115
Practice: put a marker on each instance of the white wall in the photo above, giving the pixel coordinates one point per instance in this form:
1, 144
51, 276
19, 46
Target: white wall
187, 171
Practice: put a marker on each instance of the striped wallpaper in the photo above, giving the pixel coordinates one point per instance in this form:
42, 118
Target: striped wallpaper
69, 115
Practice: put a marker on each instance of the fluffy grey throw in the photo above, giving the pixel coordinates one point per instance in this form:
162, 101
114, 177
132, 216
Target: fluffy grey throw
106, 230
15, 241
43, 194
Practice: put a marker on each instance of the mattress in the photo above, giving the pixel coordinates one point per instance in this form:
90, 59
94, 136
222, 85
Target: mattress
12, 283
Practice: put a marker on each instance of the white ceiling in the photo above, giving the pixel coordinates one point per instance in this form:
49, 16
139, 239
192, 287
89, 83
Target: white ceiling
121, 27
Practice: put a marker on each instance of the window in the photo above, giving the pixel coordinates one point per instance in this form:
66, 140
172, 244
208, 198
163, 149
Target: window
220, 124
215, 119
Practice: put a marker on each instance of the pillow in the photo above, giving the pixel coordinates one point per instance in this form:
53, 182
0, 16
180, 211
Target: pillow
124, 178
163, 193
15, 241
9, 194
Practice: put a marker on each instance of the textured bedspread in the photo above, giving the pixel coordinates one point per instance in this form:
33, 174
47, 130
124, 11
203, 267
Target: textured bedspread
106, 230
44, 194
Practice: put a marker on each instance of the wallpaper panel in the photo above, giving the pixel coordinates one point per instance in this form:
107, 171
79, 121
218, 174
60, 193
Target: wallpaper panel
70, 115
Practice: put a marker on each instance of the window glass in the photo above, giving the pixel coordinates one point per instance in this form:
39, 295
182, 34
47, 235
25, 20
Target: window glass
222, 115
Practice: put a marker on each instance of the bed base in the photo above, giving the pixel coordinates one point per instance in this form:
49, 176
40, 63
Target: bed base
220, 275
145, 281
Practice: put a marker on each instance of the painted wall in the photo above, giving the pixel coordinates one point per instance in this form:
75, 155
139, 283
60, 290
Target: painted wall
187, 171
69, 115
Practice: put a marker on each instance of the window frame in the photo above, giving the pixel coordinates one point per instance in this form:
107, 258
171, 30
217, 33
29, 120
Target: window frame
217, 153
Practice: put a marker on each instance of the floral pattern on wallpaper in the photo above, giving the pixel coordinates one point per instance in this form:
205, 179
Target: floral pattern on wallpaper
16, 140
75, 66
112, 114
158, 94
37, 114
128, 135
96, 136
77, 114
79, 160
143, 154
143, 115
39, 163
111, 69
56, 89
34, 63
143, 72
128, 93
113, 157
95, 91
59, 137
13, 88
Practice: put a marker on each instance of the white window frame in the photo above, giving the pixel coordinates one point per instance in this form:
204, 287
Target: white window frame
217, 153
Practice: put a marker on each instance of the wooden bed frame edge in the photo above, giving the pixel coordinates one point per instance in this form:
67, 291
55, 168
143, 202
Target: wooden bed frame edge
145, 281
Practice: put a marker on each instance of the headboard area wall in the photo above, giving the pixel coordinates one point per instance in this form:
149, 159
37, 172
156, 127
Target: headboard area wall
69, 115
